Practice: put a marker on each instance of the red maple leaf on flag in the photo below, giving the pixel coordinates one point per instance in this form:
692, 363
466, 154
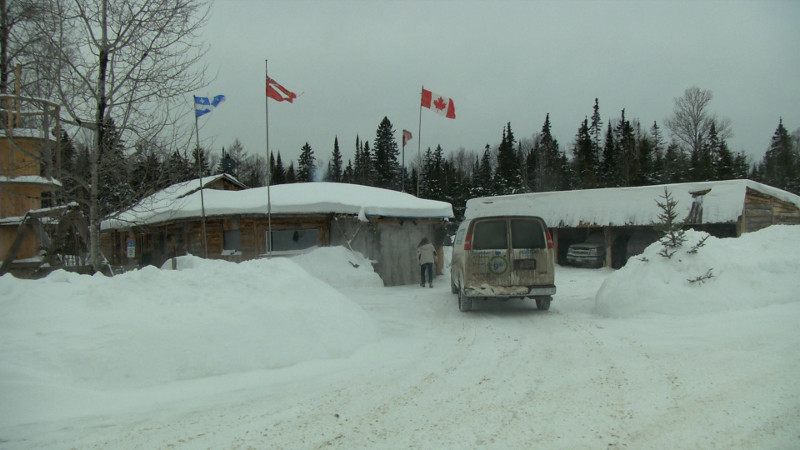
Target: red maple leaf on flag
440, 104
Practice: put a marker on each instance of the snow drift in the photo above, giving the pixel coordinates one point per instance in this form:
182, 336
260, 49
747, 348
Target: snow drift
754, 270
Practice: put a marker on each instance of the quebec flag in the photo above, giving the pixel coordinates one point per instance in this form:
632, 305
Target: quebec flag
202, 105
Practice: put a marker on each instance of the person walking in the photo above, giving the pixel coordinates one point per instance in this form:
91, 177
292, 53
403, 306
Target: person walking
426, 255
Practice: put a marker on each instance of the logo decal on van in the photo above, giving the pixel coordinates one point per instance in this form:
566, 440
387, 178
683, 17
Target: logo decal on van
498, 265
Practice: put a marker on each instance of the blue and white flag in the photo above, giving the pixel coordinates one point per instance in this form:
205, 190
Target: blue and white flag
202, 105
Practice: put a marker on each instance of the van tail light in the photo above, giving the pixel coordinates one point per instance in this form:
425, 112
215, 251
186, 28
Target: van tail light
468, 242
549, 240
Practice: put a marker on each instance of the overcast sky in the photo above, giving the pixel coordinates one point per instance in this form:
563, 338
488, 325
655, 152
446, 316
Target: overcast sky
354, 62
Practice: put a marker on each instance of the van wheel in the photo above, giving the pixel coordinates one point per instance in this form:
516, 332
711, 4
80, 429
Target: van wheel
464, 302
453, 287
543, 303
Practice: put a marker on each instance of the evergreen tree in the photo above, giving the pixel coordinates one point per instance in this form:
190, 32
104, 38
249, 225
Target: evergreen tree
69, 177
508, 178
366, 174
200, 163
357, 169
335, 166
290, 174
671, 230
306, 165
278, 171
425, 181
433, 180
596, 129
457, 189
482, 185
609, 167
114, 186
740, 165
532, 173
584, 158
703, 158
657, 139
348, 175
234, 161
178, 169
146, 176
626, 151
550, 162
645, 169
676, 165
385, 157
781, 162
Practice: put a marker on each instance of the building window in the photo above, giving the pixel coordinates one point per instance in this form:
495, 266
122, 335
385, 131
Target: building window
232, 242
293, 241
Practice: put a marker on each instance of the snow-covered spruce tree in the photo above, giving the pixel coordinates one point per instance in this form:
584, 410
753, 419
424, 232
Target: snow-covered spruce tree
508, 179
385, 157
306, 164
335, 167
672, 232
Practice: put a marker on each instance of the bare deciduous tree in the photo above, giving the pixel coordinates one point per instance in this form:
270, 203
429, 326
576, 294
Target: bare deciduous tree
691, 120
126, 62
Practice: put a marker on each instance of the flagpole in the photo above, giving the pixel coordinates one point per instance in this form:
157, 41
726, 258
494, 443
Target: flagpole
419, 140
269, 169
403, 172
200, 173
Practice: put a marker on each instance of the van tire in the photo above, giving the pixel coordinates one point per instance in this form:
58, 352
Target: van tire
543, 303
464, 302
453, 287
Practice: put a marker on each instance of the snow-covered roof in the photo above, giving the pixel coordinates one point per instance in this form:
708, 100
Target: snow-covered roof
183, 201
30, 179
632, 206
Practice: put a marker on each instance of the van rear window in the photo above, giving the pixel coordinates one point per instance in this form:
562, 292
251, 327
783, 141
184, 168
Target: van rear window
490, 234
526, 233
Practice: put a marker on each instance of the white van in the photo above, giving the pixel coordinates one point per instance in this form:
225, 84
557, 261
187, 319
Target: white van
503, 257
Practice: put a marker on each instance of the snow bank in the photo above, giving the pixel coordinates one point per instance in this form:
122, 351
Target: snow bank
152, 326
755, 270
339, 267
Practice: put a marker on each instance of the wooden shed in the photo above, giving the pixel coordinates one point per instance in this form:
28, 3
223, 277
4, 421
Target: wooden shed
721, 208
288, 219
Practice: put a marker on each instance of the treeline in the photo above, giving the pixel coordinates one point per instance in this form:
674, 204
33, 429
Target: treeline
615, 154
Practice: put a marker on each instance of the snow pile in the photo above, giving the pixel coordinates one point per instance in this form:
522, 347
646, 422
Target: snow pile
339, 267
151, 326
755, 270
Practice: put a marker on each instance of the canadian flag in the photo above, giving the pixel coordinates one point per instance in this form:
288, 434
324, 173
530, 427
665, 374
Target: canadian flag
440, 104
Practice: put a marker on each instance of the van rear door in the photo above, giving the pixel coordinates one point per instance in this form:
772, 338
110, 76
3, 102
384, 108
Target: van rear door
488, 259
529, 253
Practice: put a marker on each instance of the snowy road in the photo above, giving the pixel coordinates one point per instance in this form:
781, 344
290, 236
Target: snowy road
503, 376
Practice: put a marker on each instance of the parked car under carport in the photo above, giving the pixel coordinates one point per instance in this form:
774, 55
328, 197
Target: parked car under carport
589, 253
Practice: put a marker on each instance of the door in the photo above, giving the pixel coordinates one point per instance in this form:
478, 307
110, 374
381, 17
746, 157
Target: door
489, 258
530, 257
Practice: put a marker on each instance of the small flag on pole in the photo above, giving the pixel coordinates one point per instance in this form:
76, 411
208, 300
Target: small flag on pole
279, 93
406, 137
439, 104
202, 105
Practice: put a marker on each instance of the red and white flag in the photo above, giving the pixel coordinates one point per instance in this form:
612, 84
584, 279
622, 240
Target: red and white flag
439, 104
406, 137
279, 93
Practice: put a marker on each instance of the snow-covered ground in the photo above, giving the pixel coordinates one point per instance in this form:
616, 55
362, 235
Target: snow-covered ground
314, 352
